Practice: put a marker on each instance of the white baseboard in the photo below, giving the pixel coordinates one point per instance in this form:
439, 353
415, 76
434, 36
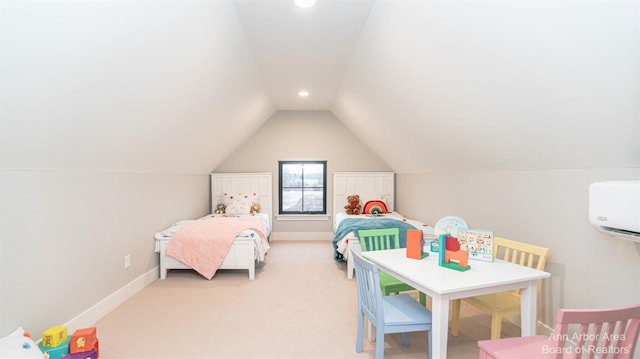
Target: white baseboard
90, 316
543, 329
301, 236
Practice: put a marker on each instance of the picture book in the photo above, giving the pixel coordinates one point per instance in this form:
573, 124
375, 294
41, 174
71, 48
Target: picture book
478, 242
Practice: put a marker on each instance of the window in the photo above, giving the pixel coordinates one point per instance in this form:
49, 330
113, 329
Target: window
303, 187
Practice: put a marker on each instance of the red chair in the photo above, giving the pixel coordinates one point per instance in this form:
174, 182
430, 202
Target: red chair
579, 333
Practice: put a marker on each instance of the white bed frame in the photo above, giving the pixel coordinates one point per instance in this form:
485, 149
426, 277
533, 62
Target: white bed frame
369, 186
242, 252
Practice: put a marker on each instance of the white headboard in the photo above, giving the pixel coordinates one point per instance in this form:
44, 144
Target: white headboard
260, 183
368, 185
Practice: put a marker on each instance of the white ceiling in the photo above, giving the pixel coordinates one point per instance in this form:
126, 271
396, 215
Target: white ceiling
303, 48
461, 85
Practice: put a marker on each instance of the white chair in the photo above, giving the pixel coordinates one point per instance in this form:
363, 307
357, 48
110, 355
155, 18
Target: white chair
389, 314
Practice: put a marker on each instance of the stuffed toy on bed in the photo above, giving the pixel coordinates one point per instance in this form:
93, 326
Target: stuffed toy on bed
353, 206
255, 208
220, 208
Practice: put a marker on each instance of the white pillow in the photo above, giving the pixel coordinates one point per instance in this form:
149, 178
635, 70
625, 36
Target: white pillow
16, 345
239, 203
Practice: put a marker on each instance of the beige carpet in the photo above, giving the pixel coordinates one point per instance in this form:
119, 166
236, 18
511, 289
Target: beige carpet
301, 305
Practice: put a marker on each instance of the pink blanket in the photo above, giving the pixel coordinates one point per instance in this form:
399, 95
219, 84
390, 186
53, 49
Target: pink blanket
203, 244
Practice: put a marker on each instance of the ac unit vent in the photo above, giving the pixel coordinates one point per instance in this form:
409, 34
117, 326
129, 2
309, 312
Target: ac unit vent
621, 231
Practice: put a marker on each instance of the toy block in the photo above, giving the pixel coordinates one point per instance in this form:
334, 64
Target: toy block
456, 266
415, 244
448, 249
54, 336
57, 352
433, 246
452, 244
91, 354
460, 256
83, 340
97, 348
442, 238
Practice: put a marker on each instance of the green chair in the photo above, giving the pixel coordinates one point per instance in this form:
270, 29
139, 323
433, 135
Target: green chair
387, 238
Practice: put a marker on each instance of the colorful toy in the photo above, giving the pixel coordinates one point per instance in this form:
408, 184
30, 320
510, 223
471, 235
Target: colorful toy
54, 336
449, 248
462, 257
220, 208
255, 208
353, 206
434, 246
375, 207
56, 352
91, 354
83, 340
415, 244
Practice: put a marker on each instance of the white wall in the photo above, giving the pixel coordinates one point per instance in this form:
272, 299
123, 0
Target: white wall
65, 234
547, 208
303, 135
112, 115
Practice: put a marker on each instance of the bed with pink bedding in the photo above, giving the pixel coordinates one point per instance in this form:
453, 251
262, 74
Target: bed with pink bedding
237, 239
204, 244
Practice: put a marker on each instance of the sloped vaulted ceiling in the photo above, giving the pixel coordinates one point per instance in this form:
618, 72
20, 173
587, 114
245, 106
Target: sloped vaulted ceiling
142, 86
452, 85
460, 85
494, 85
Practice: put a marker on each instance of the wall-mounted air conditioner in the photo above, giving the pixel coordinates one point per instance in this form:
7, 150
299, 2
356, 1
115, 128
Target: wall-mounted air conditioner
614, 208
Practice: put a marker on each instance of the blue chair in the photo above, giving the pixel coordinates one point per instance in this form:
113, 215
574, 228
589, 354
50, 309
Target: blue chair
389, 314
380, 239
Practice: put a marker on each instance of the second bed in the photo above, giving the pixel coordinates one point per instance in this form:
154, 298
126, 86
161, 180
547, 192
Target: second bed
377, 194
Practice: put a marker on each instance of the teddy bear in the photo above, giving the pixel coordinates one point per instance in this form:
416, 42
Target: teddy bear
255, 208
354, 204
220, 208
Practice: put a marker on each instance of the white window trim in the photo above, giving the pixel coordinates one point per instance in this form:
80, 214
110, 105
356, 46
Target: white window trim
302, 217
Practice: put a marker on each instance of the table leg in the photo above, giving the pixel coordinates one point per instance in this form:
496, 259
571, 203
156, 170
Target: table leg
528, 299
440, 315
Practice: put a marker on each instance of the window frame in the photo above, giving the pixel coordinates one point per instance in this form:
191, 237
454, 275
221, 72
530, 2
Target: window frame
281, 211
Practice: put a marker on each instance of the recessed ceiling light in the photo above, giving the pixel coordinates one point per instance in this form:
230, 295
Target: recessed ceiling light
303, 93
305, 3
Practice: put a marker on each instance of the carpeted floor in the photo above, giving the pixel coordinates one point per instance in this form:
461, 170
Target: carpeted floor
301, 305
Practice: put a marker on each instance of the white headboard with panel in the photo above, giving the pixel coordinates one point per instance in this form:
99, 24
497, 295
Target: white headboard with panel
259, 183
368, 185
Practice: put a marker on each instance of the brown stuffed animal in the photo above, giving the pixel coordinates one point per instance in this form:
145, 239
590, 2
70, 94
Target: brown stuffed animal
354, 204
220, 208
255, 208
